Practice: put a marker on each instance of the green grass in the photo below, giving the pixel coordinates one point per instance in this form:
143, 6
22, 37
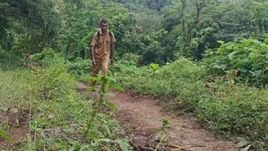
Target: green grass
58, 113
184, 87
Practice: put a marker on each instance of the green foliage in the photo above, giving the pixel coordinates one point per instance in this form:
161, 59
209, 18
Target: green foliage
53, 83
106, 84
152, 47
242, 19
159, 31
248, 56
194, 26
132, 58
184, 87
58, 114
4, 135
9, 60
37, 23
80, 66
83, 23
154, 50
49, 57
242, 111
151, 4
15, 86
173, 78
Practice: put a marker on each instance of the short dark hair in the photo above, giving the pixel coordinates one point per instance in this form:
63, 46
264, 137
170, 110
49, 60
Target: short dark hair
103, 21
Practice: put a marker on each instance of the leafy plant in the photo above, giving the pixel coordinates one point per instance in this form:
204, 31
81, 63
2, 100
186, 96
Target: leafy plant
4, 135
105, 83
248, 56
80, 67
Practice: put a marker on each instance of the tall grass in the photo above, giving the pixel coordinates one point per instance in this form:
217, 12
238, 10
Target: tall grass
57, 113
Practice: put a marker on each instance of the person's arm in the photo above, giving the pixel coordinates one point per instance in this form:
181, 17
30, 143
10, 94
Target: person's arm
112, 48
112, 53
92, 53
93, 46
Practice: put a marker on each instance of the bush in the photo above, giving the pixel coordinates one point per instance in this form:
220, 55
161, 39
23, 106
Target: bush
248, 56
9, 60
133, 59
169, 82
243, 111
80, 66
47, 58
53, 82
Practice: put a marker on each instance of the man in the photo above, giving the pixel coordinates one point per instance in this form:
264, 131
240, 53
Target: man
102, 46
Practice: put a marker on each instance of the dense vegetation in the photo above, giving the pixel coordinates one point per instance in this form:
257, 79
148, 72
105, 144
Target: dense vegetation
206, 57
46, 102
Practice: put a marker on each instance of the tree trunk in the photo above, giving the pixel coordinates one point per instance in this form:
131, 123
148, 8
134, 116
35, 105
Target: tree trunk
183, 9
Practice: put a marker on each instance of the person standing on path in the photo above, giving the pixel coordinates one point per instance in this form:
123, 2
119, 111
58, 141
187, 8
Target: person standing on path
102, 46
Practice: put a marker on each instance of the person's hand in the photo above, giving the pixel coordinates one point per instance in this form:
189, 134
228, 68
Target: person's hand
93, 61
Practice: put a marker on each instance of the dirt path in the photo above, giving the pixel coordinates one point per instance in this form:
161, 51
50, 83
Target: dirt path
16, 121
141, 119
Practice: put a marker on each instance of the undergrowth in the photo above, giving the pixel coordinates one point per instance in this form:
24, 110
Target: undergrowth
184, 87
57, 115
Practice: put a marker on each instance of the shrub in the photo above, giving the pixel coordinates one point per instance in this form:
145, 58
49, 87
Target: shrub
9, 60
53, 82
248, 56
47, 57
80, 66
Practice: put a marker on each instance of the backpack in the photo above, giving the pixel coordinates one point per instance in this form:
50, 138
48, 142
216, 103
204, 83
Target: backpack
98, 35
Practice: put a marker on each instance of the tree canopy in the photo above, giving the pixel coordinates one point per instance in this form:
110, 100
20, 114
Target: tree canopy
156, 30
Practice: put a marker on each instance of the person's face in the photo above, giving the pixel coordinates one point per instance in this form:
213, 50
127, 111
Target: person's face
104, 27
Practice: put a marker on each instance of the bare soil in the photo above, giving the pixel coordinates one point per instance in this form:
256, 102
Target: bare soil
15, 122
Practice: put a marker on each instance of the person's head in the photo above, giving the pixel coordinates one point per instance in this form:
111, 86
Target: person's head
104, 25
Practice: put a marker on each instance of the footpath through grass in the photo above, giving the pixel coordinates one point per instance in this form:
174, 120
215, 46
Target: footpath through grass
45, 103
222, 106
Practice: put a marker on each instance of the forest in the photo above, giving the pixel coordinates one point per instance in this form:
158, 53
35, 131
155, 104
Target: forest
203, 59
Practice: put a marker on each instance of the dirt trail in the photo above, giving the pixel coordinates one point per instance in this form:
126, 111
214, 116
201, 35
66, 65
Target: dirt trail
16, 120
141, 119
